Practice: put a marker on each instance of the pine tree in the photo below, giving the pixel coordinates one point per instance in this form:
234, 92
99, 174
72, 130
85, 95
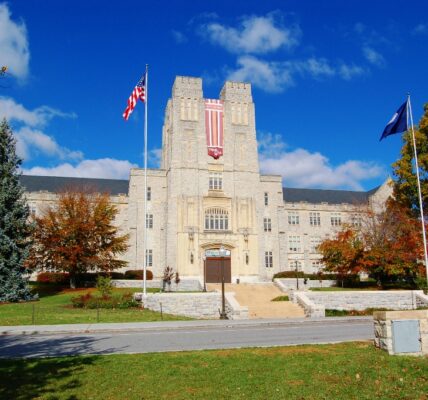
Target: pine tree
405, 187
14, 226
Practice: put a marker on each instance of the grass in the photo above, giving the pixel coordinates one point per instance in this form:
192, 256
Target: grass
340, 289
367, 311
281, 298
341, 371
54, 307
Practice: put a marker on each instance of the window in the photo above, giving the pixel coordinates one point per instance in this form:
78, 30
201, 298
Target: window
33, 210
293, 218
267, 224
216, 181
266, 198
268, 259
356, 221
316, 265
149, 193
149, 221
336, 219
149, 258
294, 243
295, 265
314, 218
315, 241
216, 219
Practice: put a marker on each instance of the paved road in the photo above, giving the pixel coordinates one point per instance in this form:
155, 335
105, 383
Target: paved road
186, 338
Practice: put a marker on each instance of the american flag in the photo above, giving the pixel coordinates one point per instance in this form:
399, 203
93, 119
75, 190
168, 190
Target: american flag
139, 92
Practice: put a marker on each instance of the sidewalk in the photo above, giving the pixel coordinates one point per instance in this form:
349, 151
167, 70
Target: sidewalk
167, 325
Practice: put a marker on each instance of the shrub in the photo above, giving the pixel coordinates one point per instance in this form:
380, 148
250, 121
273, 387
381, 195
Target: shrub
138, 274
104, 285
300, 274
120, 301
53, 277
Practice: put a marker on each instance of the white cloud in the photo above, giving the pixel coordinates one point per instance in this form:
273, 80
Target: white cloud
178, 36
301, 168
347, 72
39, 117
29, 125
268, 76
272, 76
100, 168
420, 29
373, 56
31, 141
14, 49
154, 157
256, 34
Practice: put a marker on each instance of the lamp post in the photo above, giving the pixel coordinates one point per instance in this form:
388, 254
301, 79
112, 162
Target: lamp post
204, 259
297, 274
223, 300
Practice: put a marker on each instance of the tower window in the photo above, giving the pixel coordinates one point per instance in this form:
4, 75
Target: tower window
149, 193
216, 181
266, 198
267, 224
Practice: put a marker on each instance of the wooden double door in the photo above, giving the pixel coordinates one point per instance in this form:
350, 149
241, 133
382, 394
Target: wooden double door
213, 269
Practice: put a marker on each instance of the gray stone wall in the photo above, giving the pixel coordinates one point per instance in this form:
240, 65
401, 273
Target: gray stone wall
195, 305
285, 284
185, 285
361, 300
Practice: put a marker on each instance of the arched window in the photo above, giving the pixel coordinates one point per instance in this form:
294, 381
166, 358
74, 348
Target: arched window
216, 219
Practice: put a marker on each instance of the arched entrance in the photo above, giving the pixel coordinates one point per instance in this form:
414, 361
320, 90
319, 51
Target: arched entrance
214, 264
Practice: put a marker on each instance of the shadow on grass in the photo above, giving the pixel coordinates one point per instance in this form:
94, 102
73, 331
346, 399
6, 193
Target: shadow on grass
33, 377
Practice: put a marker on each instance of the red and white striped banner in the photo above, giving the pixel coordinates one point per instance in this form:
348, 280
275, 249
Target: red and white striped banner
214, 127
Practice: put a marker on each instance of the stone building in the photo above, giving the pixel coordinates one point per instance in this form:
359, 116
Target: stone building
208, 193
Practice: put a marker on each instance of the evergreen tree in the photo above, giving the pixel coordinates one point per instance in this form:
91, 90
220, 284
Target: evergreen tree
14, 226
405, 186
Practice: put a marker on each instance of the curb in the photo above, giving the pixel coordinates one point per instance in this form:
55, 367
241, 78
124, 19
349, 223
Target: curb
170, 325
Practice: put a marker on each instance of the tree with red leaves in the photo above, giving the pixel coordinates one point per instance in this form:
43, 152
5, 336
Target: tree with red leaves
387, 246
78, 235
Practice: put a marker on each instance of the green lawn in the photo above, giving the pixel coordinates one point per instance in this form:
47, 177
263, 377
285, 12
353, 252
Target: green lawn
54, 307
340, 289
341, 371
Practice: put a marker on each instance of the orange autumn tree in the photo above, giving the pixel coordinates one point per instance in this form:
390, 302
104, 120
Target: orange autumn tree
78, 235
393, 244
387, 246
343, 254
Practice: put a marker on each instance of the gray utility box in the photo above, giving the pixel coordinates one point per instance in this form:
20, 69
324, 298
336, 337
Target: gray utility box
406, 336
402, 332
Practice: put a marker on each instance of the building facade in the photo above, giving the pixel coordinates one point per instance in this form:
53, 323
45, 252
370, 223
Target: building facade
209, 194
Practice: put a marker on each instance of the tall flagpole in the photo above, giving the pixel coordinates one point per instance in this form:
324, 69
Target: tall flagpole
146, 94
419, 186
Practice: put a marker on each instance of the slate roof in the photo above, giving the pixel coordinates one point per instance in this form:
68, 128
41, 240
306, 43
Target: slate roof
56, 184
317, 196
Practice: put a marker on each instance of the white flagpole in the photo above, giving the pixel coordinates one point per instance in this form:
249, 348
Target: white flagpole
145, 181
419, 186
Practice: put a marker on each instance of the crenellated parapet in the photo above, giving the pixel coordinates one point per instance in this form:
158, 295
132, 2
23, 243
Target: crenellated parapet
189, 87
236, 92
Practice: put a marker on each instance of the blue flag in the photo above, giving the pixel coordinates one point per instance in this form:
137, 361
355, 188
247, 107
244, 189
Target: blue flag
398, 122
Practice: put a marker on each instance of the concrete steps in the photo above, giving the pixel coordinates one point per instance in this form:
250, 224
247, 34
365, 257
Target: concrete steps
258, 298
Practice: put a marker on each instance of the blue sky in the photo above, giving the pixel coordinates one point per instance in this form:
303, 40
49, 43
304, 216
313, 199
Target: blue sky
327, 77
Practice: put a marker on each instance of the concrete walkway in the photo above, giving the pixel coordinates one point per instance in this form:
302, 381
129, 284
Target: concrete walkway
258, 298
